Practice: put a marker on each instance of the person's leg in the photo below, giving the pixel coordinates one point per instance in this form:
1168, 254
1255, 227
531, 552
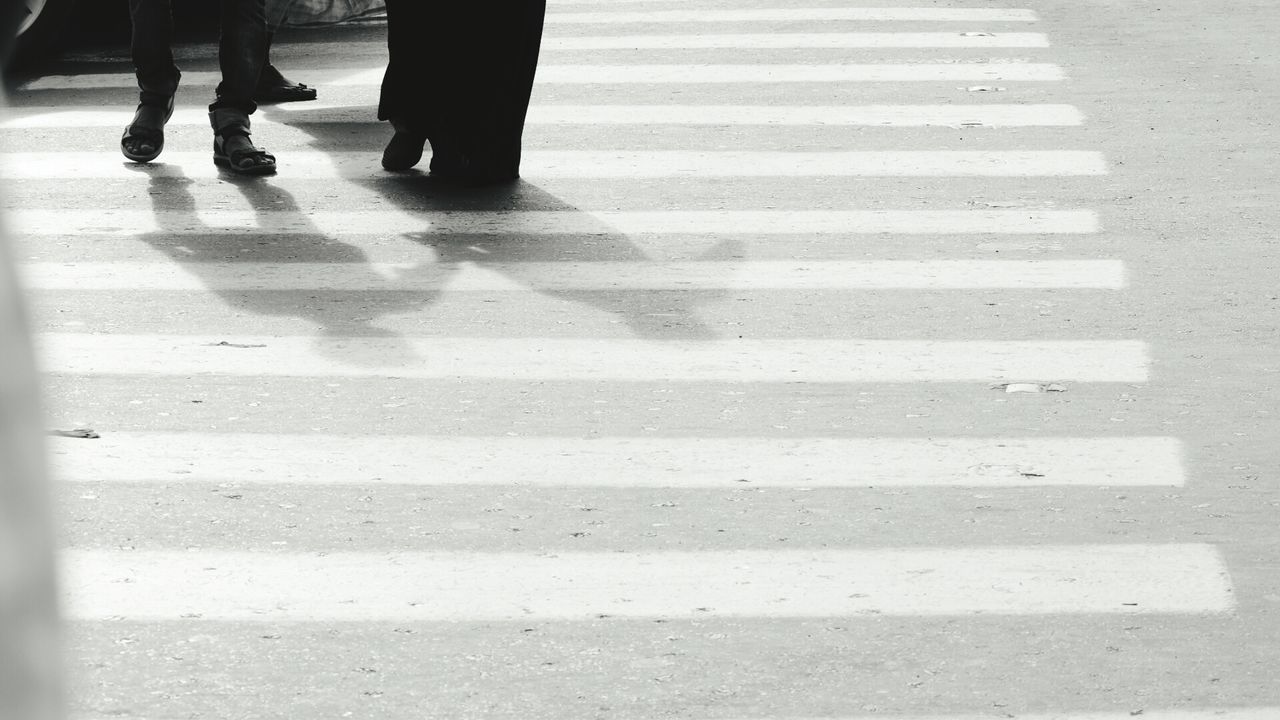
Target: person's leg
242, 51
488, 93
407, 82
158, 76
408, 22
498, 92
277, 11
273, 86
152, 49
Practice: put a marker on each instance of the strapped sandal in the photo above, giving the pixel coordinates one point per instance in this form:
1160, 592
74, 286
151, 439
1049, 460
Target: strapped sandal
143, 140
284, 92
247, 160
273, 87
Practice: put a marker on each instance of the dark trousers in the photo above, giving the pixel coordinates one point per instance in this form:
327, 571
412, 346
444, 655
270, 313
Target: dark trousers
242, 52
462, 74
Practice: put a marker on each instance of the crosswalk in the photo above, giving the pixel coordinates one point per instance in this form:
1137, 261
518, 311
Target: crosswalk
681, 227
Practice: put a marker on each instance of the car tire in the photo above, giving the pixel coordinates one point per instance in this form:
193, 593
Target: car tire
40, 31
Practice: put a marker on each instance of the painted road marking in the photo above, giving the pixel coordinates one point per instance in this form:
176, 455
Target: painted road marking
633, 462
1254, 713
691, 41
744, 360
601, 275
275, 587
795, 73
796, 40
651, 74
1257, 713
783, 15
871, 115
604, 164
128, 223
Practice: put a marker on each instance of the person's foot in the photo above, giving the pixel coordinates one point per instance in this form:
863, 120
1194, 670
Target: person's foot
236, 152
470, 175
143, 140
405, 148
447, 162
450, 165
274, 87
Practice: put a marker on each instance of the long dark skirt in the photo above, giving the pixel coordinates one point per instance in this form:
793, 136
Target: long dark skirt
461, 72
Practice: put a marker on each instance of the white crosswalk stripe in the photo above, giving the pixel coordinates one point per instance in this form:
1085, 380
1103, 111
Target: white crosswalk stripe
946, 205
270, 587
617, 360
597, 275
636, 461
796, 40
1250, 713
620, 165
1237, 714
554, 43
33, 221
992, 115
793, 15
649, 74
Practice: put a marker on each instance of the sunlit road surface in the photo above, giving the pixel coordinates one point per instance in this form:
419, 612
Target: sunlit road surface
838, 361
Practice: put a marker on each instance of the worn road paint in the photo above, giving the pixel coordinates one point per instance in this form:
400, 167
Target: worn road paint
598, 360
633, 462
404, 586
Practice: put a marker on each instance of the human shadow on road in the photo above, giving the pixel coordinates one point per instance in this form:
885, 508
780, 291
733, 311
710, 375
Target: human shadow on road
523, 256
367, 295
207, 252
648, 313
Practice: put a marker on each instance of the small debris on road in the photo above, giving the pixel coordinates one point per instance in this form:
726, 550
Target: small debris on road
1030, 387
224, 343
80, 433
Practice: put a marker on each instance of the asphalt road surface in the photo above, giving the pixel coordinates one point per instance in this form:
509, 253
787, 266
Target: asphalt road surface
831, 360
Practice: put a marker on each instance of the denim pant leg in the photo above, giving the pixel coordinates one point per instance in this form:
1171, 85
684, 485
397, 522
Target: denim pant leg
242, 52
152, 49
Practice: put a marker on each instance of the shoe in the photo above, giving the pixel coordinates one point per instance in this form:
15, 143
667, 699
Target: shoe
273, 87
405, 149
452, 166
143, 140
469, 175
447, 162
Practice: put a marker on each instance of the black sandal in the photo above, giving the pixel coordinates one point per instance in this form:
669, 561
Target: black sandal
274, 87
245, 161
284, 92
146, 130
